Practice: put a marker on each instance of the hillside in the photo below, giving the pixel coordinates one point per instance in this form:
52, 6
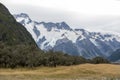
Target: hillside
11, 32
79, 72
16, 44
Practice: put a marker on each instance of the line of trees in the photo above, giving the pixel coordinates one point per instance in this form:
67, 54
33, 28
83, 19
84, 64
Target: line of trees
22, 56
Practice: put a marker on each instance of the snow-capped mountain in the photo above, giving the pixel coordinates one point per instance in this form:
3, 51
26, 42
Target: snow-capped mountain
61, 37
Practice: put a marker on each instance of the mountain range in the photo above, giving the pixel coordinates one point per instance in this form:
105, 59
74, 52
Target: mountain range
61, 37
18, 47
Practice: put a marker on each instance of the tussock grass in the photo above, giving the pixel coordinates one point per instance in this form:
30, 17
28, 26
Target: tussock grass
80, 72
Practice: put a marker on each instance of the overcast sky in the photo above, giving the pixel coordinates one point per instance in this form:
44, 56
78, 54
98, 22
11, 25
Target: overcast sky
93, 15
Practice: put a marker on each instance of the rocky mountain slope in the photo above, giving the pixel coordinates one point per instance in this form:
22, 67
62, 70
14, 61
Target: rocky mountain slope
115, 56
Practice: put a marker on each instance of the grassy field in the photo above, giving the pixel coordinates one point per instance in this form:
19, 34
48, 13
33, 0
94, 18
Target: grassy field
78, 72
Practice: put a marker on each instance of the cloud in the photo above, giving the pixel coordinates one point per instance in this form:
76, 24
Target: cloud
93, 15
89, 7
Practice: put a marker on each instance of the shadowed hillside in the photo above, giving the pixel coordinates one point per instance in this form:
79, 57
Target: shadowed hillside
11, 32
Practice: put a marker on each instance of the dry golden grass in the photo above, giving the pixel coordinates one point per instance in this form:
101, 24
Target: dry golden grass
83, 71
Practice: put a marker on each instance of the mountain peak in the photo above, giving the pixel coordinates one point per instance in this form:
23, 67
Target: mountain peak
50, 25
23, 18
23, 15
63, 25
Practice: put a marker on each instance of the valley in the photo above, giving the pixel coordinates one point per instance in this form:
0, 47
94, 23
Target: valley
31, 50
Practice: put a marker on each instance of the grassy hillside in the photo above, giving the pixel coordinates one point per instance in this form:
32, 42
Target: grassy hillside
79, 72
